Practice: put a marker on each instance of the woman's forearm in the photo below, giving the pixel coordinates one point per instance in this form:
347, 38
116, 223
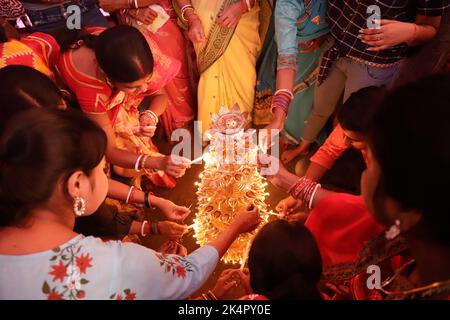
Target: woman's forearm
286, 79
320, 195
119, 191
159, 103
425, 30
315, 171
225, 239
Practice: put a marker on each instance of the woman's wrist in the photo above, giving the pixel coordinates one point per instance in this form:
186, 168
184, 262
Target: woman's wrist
156, 201
288, 180
412, 36
153, 163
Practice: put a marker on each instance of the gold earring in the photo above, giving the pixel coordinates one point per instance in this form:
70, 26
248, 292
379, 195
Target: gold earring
79, 206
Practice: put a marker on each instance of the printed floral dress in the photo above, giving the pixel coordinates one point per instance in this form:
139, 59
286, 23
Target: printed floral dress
88, 268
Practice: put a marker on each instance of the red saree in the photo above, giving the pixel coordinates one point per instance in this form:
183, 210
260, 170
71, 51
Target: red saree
170, 40
341, 225
96, 97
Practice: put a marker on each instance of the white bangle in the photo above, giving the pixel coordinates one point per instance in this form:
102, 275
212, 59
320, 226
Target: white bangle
152, 115
129, 194
142, 228
138, 161
249, 6
287, 91
312, 195
135, 4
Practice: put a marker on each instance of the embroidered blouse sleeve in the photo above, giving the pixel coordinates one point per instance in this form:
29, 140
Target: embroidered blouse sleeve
286, 14
152, 275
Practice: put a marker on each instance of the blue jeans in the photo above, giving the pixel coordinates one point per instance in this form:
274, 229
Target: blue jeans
54, 17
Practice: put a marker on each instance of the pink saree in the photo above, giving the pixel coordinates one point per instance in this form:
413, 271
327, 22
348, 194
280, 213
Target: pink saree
171, 42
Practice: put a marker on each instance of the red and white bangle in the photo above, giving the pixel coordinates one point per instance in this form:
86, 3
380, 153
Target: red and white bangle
304, 189
285, 92
282, 99
312, 195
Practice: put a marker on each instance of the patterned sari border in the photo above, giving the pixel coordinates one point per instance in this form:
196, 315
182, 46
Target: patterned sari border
218, 40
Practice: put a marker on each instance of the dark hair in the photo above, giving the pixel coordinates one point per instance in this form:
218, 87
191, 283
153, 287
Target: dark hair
3, 36
23, 88
38, 149
356, 112
284, 262
413, 116
122, 51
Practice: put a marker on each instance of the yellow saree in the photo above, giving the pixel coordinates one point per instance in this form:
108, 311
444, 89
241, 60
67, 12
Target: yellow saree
226, 61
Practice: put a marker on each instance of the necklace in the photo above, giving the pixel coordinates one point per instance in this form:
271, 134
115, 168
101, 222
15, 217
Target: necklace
425, 291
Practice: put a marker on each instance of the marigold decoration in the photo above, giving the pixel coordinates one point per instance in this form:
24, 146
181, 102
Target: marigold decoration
229, 183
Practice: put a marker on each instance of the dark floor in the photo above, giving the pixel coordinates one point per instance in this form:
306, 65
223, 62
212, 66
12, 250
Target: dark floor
344, 176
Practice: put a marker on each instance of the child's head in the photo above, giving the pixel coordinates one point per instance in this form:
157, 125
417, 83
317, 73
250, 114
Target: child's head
284, 262
48, 158
355, 114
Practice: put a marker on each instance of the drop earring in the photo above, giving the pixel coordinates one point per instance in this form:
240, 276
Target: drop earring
79, 206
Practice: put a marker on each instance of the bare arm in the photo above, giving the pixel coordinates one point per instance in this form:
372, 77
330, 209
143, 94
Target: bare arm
158, 103
426, 29
315, 171
245, 221
116, 156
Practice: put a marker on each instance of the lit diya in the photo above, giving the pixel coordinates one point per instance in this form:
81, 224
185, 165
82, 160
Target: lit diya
250, 194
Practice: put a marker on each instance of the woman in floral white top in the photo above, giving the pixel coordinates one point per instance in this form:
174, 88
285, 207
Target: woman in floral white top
51, 170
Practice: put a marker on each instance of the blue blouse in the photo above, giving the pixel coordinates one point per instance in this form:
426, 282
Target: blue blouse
297, 21
88, 268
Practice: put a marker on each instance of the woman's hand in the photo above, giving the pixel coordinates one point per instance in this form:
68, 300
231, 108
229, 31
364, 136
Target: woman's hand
246, 221
196, 32
146, 15
174, 166
173, 211
288, 205
339, 292
230, 16
244, 276
271, 168
173, 247
172, 230
147, 126
276, 125
390, 33
225, 283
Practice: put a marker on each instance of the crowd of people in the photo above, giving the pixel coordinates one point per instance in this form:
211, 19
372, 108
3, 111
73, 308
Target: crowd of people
80, 110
